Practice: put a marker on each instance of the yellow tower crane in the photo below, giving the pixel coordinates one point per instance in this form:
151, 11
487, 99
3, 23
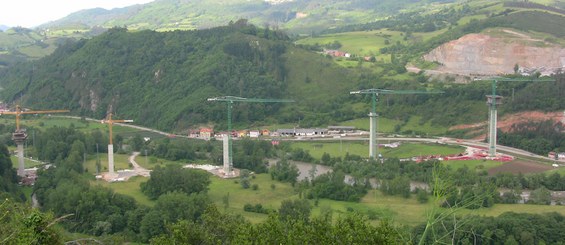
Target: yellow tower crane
19, 136
110, 122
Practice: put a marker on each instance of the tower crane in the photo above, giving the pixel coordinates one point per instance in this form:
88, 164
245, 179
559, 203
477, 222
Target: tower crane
373, 146
19, 136
110, 122
493, 100
228, 160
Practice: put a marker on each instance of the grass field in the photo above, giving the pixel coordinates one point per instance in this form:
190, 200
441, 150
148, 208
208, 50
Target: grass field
473, 164
129, 188
27, 162
361, 43
403, 211
386, 125
120, 162
406, 150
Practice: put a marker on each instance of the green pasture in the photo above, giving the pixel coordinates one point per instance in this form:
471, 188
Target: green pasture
238, 197
130, 188
360, 43
403, 211
559, 170
405, 150
472, 164
120, 162
384, 125
414, 124
27, 162
498, 209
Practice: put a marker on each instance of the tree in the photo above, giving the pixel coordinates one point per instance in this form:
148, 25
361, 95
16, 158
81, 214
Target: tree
175, 178
284, 171
175, 206
23, 225
295, 210
540, 196
136, 142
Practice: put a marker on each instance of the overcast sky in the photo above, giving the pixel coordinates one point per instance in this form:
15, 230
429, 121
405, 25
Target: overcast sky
31, 13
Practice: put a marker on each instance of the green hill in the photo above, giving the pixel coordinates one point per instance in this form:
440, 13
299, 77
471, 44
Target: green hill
163, 79
298, 16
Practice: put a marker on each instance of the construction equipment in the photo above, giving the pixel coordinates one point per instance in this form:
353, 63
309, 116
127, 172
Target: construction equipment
228, 160
19, 136
493, 100
373, 143
110, 122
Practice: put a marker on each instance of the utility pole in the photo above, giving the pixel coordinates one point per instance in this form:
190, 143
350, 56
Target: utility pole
19, 136
373, 142
110, 122
227, 142
493, 100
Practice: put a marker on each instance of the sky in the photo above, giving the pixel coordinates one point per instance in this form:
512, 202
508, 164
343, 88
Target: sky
31, 13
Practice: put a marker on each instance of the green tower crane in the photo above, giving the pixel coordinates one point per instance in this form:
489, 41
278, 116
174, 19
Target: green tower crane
493, 100
228, 160
373, 143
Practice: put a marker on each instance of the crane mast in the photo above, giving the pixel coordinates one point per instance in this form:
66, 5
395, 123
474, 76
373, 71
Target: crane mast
110, 122
493, 100
373, 116
19, 136
227, 141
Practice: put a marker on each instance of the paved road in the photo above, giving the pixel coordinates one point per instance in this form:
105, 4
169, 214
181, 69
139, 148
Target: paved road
136, 168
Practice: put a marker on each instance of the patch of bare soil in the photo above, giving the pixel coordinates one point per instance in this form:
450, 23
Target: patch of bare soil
520, 166
484, 54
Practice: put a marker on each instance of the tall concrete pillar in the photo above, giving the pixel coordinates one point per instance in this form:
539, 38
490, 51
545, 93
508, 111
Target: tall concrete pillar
19, 138
21, 167
111, 159
227, 164
373, 144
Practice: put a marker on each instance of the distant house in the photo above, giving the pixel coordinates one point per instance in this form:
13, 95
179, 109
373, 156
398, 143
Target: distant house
242, 133
194, 133
265, 132
254, 133
302, 132
336, 53
206, 133
560, 155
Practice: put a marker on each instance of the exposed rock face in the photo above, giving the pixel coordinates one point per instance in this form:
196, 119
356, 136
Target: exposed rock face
487, 55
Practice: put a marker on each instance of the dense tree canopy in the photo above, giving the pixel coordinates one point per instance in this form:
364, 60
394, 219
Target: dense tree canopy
175, 178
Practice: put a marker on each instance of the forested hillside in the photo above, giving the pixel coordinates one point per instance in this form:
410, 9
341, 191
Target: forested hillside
163, 80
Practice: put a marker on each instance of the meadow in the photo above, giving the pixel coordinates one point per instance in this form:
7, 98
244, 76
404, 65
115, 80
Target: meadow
405, 150
229, 196
387, 125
